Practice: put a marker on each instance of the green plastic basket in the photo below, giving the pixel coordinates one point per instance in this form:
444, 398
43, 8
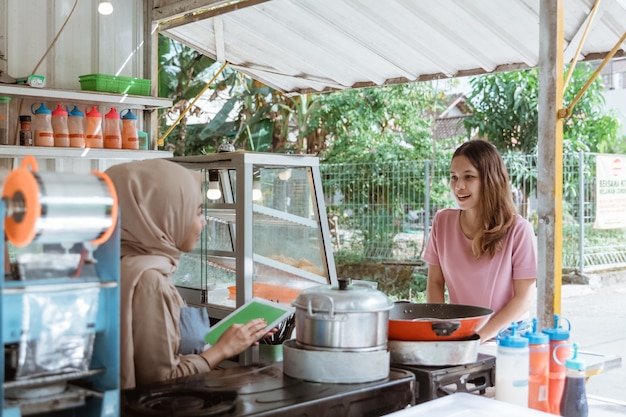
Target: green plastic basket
115, 84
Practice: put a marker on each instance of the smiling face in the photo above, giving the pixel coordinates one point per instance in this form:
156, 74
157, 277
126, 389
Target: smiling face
465, 183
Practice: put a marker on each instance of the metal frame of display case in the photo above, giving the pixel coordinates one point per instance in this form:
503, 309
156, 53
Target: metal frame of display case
96, 391
238, 210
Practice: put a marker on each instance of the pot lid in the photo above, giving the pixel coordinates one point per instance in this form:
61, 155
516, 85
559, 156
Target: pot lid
346, 297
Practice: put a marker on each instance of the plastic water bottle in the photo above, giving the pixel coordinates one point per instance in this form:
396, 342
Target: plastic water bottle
93, 130
112, 133
76, 126
558, 335
512, 368
59, 127
130, 136
574, 399
42, 125
539, 370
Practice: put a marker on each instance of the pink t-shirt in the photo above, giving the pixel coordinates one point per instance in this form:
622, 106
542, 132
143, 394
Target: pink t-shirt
485, 282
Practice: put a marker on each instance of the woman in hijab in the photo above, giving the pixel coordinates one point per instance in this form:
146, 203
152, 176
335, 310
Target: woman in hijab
160, 208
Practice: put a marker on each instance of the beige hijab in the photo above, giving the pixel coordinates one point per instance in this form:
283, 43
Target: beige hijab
158, 201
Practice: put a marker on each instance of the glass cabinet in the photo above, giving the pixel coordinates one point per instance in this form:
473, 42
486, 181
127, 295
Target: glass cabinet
267, 232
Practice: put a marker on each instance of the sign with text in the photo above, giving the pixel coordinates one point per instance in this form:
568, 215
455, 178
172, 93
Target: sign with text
610, 192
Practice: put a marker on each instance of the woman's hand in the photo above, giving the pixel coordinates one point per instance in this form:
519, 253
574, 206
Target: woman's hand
235, 340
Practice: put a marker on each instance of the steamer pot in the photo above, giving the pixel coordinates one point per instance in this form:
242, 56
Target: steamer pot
347, 317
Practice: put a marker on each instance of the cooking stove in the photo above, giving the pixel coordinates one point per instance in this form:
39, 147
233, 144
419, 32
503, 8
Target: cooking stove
432, 382
264, 390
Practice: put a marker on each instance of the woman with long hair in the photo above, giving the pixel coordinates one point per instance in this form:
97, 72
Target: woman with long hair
482, 252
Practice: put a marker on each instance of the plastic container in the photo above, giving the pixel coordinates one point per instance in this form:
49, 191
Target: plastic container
130, 136
76, 126
93, 129
143, 140
42, 125
59, 127
115, 84
26, 132
574, 398
558, 335
512, 368
539, 370
112, 132
4, 120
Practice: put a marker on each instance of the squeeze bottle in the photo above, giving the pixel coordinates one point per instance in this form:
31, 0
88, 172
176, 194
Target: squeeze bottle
42, 125
93, 130
112, 133
76, 126
512, 368
574, 399
59, 127
539, 370
558, 336
130, 136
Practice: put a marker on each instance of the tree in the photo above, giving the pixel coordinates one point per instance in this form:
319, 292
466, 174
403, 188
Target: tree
372, 127
183, 73
505, 111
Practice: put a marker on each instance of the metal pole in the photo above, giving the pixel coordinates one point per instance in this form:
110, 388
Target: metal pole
550, 161
427, 201
581, 210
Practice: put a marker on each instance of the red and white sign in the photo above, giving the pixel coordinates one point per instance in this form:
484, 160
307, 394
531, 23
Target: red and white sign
610, 192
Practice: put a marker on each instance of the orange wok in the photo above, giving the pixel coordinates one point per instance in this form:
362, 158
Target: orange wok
430, 322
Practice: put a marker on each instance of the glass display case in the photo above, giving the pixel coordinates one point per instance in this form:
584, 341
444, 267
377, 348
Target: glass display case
267, 232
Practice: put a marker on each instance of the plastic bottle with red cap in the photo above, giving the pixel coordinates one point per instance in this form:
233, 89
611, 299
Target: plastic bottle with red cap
539, 370
112, 132
558, 335
93, 130
59, 127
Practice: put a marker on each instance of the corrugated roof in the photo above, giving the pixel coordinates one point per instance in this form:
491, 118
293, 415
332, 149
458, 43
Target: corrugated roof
301, 46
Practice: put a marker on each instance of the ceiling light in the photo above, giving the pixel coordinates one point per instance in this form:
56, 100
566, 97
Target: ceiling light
105, 8
213, 192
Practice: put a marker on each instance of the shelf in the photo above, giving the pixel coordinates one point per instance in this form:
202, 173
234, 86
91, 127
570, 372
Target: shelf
86, 153
87, 97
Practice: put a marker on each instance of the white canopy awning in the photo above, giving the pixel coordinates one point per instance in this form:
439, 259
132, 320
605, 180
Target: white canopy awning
300, 46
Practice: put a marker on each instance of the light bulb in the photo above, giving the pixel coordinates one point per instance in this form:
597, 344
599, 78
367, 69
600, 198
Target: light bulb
285, 175
105, 8
213, 192
256, 193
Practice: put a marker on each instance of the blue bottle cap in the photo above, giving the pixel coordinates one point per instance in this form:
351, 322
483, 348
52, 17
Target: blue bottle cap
128, 115
512, 340
574, 362
535, 337
41, 110
558, 332
76, 112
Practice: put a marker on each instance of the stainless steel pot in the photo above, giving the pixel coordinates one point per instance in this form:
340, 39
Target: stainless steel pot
435, 353
344, 317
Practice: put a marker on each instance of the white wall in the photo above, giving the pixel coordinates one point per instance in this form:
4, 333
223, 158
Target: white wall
89, 43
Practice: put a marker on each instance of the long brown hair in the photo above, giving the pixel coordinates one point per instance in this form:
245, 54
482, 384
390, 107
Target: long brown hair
496, 207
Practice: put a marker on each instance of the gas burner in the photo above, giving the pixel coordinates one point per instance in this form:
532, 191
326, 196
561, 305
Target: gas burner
182, 402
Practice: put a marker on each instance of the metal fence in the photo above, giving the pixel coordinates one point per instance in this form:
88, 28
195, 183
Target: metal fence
383, 211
